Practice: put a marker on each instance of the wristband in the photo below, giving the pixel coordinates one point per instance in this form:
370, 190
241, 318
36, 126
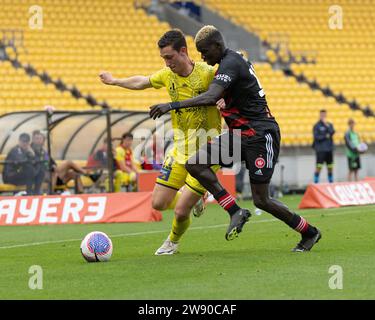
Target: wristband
174, 105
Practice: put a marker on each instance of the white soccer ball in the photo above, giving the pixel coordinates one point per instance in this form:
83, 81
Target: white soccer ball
362, 147
96, 247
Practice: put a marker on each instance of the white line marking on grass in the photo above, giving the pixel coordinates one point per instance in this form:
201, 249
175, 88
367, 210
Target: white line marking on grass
165, 231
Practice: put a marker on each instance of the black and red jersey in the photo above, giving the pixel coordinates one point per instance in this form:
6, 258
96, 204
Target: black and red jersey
244, 96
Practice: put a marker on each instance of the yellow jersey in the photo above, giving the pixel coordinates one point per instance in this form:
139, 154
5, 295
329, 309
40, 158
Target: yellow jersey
188, 122
123, 154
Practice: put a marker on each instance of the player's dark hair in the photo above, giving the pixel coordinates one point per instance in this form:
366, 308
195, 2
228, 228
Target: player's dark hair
38, 133
25, 137
216, 37
126, 135
323, 110
174, 38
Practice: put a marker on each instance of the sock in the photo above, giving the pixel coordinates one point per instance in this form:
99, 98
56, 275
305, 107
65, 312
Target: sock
178, 229
227, 202
316, 177
174, 201
118, 180
330, 177
299, 224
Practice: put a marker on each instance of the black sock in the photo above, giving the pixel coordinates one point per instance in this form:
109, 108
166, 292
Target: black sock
227, 202
299, 224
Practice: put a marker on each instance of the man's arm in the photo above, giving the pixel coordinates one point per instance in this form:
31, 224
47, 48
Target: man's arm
132, 83
228, 73
133, 166
123, 166
208, 98
331, 129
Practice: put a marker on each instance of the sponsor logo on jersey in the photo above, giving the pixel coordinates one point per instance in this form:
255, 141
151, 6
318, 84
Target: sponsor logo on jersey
259, 172
223, 77
165, 173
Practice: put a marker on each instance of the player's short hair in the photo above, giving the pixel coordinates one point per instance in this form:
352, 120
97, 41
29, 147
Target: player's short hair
24, 137
174, 38
210, 34
127, 135
351, 121
323, 111
37, 133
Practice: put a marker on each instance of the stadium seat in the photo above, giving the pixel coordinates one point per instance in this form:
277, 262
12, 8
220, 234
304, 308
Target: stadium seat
77, 42
345, 57
5, 187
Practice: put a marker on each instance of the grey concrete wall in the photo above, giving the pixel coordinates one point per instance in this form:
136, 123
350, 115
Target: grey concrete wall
177, 20
235, 36
300, 164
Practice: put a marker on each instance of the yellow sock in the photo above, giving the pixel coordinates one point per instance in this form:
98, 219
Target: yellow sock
174, 201
178, 229
119, 180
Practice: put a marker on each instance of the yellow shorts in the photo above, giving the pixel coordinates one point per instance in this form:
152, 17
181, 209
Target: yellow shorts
125, 177
175, 176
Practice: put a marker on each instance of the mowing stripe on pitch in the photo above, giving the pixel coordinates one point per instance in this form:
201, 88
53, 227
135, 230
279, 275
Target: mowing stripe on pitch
166, 231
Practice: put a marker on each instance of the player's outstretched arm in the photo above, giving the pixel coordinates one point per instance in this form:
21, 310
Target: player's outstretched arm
132, 83
208, 98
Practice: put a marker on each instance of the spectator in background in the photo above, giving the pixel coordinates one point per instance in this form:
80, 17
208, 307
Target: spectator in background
66, 171
323, 144
352, 142
99, 159
97, 162
126, 171
19, 168
41, 159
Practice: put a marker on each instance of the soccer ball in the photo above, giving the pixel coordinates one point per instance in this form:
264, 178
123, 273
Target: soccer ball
96, 247
362, 147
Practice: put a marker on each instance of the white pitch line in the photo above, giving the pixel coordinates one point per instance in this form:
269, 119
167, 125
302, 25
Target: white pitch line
165, 231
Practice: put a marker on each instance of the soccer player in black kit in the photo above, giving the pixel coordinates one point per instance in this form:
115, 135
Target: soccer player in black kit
245, 111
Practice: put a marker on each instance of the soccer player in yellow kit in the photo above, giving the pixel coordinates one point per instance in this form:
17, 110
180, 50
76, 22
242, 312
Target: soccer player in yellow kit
183, 79
126, 170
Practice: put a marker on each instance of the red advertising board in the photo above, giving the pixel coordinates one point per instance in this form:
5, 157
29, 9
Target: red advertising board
334, 195
85, 208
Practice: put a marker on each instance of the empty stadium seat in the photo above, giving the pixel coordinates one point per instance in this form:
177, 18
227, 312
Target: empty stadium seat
345, 57
78, 40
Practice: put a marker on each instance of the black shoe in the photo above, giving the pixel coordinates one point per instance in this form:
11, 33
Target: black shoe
237, 221
307, 243
95, 176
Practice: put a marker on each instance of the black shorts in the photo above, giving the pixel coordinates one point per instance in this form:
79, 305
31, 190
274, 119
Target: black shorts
354, 163
59, 182
260, 152
324, 157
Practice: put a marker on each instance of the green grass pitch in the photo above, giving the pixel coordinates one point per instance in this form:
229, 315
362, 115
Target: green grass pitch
257, 265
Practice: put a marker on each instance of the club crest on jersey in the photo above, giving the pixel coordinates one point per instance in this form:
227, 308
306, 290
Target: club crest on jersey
260, 163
